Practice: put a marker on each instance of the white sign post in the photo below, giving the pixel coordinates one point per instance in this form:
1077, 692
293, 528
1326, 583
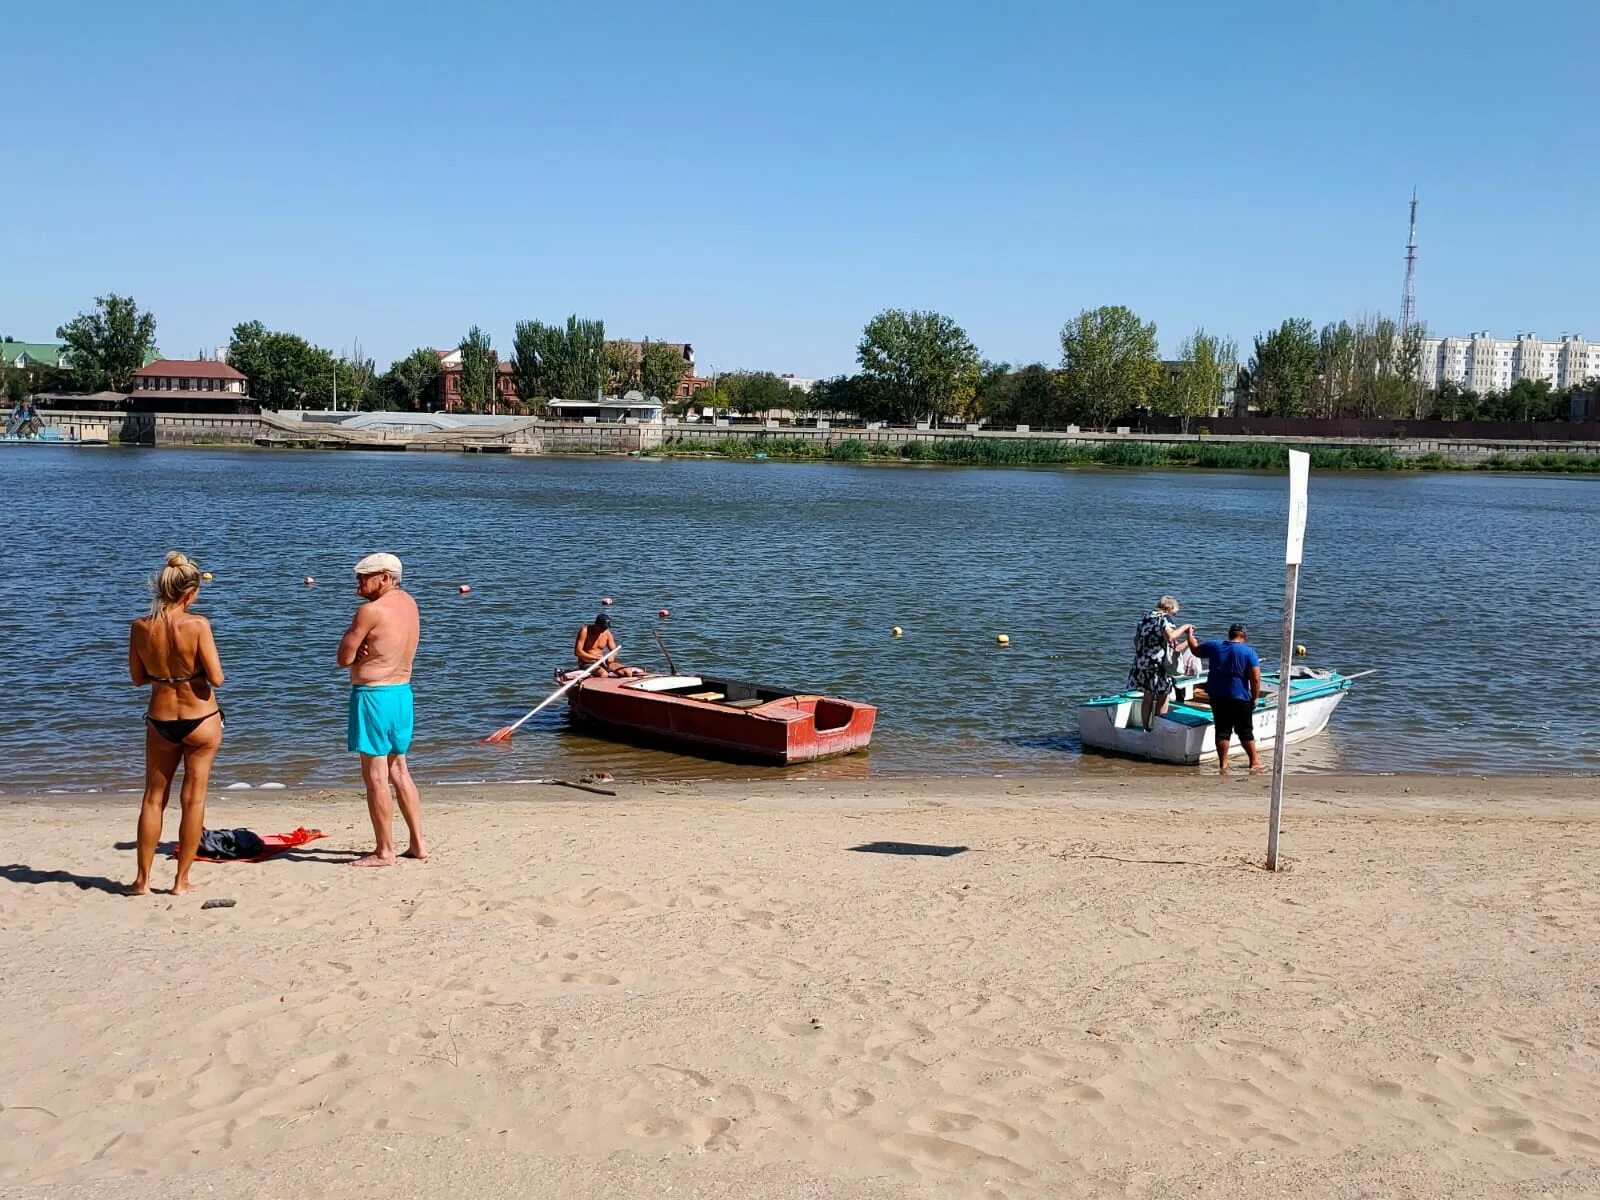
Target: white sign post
1299, 478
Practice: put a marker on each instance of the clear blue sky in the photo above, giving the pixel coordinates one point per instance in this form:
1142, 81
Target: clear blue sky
760, 183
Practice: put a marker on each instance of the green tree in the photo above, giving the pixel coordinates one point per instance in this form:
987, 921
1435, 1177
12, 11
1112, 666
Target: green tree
924, 364
1410, 368
107, 346
851, 396
661, 371
1109, 364
755, 392
991, 397
622, 368
1452, 402
586, 358
1029, 395
1533, 400
1379, 390
801, 401
478, 369
551, 362
1283, 369
1194, 389
410, 379
284, 370
16, 387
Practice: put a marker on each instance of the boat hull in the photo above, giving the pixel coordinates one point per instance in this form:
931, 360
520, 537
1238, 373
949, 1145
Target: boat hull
1186, 734
716, 717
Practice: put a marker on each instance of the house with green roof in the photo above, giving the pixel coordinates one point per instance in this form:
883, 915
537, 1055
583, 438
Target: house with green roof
31, 354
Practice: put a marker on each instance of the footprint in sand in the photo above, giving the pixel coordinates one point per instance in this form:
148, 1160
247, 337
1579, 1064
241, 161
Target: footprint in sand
847, 1101
938, 1121
591, 978
547, 1039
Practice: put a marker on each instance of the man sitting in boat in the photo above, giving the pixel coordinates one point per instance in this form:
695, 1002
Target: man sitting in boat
1233, 684
593, 640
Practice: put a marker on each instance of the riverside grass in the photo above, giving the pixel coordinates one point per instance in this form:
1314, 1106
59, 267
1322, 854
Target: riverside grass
1021, 452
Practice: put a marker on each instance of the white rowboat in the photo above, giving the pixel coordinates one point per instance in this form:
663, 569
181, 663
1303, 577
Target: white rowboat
1185, 733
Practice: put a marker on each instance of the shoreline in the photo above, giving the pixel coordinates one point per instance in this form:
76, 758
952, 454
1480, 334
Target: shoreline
1238, 793
1343, 457
916, 990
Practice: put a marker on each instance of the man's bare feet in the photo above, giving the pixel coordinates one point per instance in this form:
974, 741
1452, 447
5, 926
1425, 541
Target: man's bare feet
1257, 768
374, 860
139, 887
418, 851
182, 889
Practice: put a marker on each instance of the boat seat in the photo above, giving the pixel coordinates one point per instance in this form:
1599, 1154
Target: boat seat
704, 696
749, 702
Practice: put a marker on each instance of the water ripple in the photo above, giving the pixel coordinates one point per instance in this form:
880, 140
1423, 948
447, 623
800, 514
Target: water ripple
1470, 594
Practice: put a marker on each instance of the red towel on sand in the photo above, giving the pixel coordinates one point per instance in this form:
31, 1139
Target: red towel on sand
276, 843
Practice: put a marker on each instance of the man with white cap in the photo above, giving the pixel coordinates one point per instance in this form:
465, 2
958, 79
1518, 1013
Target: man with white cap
378, 648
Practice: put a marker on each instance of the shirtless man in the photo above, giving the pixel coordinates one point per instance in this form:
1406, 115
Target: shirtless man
378, 648
591, 644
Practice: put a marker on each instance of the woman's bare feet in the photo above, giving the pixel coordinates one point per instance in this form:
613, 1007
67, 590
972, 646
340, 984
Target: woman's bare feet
417, 850
375, 860
139, 887
182, 887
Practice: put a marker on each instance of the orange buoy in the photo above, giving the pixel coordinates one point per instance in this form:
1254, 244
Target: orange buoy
464, 588
664, 613
606, 601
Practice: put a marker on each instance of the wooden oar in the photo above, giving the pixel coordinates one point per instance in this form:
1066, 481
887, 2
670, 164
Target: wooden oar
503, 734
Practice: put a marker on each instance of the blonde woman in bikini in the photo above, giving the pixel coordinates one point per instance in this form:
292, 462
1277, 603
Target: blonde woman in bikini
173, 652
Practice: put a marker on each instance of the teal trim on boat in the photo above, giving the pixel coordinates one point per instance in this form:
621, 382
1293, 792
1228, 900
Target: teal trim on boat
1299, 689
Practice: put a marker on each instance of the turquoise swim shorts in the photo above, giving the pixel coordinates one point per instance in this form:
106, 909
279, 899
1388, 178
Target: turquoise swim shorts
380, 719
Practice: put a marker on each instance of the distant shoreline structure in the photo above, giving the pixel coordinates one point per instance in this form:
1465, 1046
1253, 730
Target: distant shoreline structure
1236, 443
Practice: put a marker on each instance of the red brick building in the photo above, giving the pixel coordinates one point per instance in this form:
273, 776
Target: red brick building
446, 393
189, 385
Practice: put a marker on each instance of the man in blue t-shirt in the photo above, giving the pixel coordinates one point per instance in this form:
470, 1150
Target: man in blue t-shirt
1233, 682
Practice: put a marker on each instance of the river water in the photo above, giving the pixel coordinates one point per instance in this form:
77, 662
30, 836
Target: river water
1470, 594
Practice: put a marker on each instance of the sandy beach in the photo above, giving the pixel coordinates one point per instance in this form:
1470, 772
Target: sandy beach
950, 988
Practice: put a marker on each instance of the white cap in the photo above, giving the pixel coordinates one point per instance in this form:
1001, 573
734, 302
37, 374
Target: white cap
374, 564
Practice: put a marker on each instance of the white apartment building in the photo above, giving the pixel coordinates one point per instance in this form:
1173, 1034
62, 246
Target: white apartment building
1490, 364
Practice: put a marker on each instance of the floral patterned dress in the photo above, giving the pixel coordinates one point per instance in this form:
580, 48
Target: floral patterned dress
1151, 673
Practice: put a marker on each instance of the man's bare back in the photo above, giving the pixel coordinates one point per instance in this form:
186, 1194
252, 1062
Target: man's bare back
388, 628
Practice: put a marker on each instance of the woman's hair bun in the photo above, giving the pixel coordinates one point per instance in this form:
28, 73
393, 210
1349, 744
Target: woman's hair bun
177, 558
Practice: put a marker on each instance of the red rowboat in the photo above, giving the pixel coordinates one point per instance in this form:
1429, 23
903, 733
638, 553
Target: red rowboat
723, 717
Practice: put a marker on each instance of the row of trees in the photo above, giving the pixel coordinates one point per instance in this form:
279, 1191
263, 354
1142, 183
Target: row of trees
915, 367
1360, 369
922, 366
574, 361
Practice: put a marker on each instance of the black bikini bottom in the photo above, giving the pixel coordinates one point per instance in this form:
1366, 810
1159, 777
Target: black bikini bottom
176, 731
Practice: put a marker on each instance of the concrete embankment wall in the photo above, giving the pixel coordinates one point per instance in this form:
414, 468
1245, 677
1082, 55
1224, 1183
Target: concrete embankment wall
1453, 450
531, 436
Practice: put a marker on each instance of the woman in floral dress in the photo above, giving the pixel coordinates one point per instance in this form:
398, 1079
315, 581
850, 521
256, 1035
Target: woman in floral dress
1154, 645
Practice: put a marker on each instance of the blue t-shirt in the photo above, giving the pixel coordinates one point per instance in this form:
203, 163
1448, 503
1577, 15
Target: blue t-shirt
1229, 673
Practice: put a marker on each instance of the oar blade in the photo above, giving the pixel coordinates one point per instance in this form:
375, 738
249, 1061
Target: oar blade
503, 734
